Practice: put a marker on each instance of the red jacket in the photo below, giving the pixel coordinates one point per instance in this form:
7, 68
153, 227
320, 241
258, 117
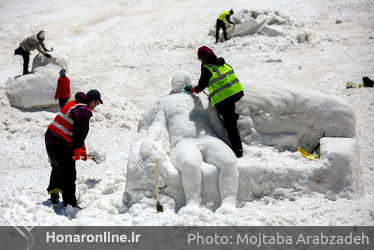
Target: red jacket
63, 88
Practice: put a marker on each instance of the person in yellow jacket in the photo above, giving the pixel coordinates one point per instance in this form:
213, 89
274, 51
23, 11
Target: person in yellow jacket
224, 91
225, 16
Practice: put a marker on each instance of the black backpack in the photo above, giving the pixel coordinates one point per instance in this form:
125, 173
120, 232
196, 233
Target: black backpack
367, 82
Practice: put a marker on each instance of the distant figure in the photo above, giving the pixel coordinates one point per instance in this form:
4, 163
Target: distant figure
63, 89
29, 44
192, 142
65, 145
224, 90
225, 16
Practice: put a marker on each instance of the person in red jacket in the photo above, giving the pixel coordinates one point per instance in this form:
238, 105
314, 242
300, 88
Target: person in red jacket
63, 89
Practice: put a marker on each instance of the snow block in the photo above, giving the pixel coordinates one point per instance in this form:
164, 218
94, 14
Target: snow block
288, 118
340, 175
36, 90
273, 122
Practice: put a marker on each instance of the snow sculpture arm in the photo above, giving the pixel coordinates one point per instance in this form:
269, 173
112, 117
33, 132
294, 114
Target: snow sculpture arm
154, 136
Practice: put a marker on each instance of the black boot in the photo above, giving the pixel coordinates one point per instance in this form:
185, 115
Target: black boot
73, 204
55, 198
239, 153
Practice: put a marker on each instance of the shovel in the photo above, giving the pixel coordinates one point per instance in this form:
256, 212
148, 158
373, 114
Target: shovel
94, 156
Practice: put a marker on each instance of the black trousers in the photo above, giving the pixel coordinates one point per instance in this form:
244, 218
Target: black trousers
63, 174
220, 24
226, 109
62, 102
26, 58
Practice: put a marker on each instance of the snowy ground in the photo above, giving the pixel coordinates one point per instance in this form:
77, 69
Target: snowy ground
129, 50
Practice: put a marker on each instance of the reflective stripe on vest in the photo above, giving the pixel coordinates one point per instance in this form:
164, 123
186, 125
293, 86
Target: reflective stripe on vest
223, 15
63, 124
223, 83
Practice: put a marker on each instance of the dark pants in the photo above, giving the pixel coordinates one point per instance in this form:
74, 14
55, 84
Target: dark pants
63, 174
220, 24
62, 101
227, 111
26, 58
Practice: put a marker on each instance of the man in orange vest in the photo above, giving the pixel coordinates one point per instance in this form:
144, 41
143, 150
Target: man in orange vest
64, 141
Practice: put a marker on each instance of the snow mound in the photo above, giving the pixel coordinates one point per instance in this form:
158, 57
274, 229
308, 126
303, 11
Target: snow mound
273, 122
36, 90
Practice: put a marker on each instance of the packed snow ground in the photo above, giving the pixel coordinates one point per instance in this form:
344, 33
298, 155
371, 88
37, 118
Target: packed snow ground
129, 50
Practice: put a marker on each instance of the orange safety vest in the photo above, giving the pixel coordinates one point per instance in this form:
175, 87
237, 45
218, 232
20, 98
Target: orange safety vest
63, 123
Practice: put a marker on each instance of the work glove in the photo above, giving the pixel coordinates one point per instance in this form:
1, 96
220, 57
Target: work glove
77, 153
84, 153
48, 55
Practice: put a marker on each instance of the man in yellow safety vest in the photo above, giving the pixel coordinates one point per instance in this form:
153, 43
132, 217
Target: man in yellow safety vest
225, 16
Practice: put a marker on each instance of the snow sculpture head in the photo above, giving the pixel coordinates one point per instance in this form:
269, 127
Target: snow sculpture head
180, 79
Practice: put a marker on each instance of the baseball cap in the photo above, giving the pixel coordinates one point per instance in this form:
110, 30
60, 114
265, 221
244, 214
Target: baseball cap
94, 94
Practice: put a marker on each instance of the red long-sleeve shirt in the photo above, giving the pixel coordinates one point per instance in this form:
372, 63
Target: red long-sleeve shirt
63, 88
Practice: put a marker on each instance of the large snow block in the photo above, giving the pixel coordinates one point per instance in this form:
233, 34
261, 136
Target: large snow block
336, 175
36, 90
340, 175
288, 118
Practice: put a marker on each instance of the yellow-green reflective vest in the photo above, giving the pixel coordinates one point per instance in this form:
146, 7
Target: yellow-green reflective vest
223, 83
223, 15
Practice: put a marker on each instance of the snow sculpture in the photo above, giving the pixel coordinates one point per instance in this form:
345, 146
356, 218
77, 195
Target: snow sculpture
187, 141
37, 90
273, 122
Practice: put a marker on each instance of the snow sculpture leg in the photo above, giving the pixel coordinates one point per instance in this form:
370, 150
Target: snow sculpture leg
221, 156
188, 160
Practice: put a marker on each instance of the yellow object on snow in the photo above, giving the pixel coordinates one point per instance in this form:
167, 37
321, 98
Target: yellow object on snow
307, 155
54, 191
354, 85
351, 85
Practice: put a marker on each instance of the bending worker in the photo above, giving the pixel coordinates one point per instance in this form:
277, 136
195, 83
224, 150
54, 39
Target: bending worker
64, 141
225, 16
28, 44
224, 90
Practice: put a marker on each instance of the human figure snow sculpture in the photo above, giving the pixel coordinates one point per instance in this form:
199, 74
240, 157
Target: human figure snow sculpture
192, 142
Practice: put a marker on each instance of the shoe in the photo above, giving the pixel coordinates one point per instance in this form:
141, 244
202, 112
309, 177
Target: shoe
239, 153
73, 204
55, 198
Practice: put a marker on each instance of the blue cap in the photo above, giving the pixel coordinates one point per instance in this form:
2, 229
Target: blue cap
94, 94
62, 72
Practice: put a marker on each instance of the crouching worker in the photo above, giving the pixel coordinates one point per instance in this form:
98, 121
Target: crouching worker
64, 141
